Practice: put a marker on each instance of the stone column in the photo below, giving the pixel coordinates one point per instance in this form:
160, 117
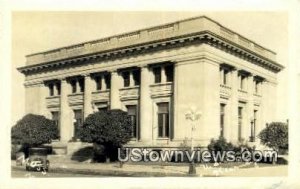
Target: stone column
77, 86
231, 128
145, 106
175, 134
263, 106
43, 110
87, 97
55, 90
163, 75
115, 102
250, 108
66, 123
131, 80
221, 76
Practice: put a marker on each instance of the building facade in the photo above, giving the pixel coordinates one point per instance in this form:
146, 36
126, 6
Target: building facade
157, 75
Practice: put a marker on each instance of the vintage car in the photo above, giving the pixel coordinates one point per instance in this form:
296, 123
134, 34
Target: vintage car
37, 160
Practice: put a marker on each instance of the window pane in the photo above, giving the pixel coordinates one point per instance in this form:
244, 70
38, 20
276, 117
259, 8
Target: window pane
132, 112
240, 121
107, 81
58, 88
98, 83
81, 85
51, 90
222, 119
225, 75
169, 73
160, 125
163, 119
73, 84
136, 77
157, 74
126, 79
163, 107
166, 125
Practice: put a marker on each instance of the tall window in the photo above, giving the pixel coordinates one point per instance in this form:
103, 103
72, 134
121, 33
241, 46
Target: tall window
51, 89
81, 84
107, 81
136, 77
78, 116
253, 126
163, 119
98, 83
157, 74
240, 122
58, 88
222, 119
256, 86
55, 118
132, 112
73, 85
126, 79
224, 76
169, 73
243, 82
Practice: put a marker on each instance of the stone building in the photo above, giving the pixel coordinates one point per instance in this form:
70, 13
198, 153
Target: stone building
156, 75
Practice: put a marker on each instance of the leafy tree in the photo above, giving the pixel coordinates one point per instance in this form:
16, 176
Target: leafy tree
110, 129
275, 136
32, 131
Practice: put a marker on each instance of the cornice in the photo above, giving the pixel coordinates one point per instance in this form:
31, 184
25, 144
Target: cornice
206, 37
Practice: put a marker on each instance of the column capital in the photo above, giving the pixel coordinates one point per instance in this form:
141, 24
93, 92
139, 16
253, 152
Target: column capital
143, 66
113, 71
63, 79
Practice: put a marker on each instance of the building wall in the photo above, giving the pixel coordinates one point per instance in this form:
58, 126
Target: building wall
196, 84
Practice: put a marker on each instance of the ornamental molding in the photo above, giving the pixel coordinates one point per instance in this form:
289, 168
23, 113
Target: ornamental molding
175, 35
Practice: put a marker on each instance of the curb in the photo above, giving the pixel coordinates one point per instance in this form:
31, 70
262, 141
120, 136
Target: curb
115, 173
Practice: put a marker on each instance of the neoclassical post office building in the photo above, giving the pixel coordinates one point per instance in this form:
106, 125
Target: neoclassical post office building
157, 75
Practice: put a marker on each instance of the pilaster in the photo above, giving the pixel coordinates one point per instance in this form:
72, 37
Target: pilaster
87, 97
115, 102
232, 127
66, 123
145, 106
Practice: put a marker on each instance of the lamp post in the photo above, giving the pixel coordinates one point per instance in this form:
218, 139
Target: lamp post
193, 115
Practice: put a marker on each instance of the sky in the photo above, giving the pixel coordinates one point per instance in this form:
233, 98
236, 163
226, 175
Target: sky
39, 31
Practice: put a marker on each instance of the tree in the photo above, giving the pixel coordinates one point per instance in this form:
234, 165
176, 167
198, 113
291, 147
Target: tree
32, 131
275, 136
110, 129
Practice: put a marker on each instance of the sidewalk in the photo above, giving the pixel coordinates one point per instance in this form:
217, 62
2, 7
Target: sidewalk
144, 170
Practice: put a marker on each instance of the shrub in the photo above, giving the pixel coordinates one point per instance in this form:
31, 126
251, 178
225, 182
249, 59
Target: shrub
110, 129
275, 136
220, 145
32, 131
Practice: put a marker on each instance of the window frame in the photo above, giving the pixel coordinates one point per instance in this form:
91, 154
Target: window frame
135, 129
164, 128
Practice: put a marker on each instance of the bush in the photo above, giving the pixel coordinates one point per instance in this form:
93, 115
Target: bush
221, 145
32, 131
275, 136
110, 129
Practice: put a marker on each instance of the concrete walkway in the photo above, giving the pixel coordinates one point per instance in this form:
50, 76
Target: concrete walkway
144, 170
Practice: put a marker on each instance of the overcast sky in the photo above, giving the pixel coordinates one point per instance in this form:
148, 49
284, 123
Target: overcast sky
39, 31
